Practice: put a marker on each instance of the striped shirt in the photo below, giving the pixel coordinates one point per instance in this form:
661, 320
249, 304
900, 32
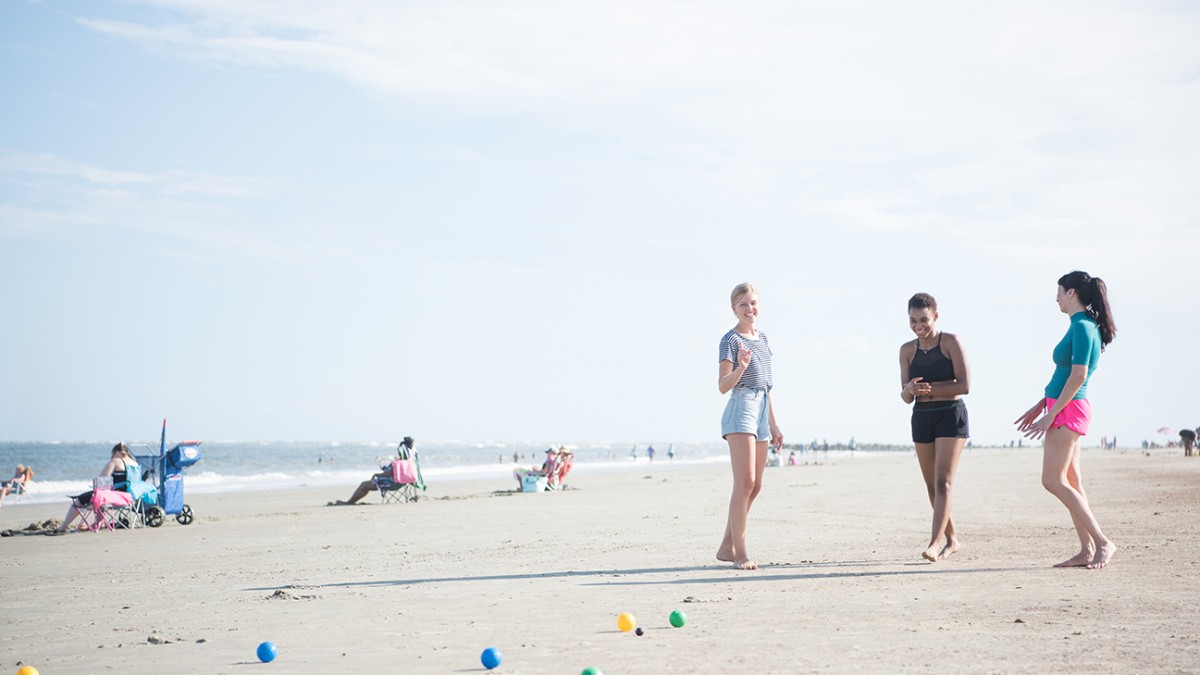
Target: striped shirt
758, 373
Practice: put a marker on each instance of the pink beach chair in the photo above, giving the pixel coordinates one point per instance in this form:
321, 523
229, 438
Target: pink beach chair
108, 508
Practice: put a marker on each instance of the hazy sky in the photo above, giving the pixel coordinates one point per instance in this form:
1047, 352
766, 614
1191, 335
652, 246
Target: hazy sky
280, 219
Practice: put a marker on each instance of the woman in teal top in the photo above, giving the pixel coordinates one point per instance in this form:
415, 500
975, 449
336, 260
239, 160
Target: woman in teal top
1064, 414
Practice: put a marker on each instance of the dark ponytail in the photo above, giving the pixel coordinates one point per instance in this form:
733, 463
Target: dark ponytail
1093, 295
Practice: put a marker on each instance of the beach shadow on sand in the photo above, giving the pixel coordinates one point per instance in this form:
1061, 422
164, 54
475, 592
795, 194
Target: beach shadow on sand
766, 573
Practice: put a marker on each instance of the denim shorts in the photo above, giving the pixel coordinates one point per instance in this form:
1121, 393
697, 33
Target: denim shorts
747, 412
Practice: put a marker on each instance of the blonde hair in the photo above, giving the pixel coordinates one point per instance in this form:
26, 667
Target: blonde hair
741, 290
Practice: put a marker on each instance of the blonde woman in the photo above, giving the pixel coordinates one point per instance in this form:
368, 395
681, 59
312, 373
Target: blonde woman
748, 424
17, 484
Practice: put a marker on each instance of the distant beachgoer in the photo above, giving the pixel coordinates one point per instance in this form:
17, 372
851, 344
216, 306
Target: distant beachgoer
1064, 414
17, 484
1187, 438
633, 453
119, 464
792, 458
934, 376
650, 453
516, 458
671, 452
773, 457
368, 485
551, 461
748, 424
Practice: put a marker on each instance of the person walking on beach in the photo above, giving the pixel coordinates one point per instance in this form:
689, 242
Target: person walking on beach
1064, 414
749, 419
934, 376
1187, 438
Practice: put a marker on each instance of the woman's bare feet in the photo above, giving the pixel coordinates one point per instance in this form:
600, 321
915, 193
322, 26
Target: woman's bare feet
949, 549
930, 553
1104, 553
1080, 559
745, 564
726, 553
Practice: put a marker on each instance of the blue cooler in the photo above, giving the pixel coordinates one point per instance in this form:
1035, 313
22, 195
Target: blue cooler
532, 482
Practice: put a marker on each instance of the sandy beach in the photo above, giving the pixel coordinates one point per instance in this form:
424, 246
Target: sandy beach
426, 586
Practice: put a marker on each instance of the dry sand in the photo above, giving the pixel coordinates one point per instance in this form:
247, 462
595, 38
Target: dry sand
425, 587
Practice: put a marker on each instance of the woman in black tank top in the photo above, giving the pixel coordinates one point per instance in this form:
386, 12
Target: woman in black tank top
116, 467
934, 377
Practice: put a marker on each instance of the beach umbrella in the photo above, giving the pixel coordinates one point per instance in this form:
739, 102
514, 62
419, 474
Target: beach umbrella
1166, 431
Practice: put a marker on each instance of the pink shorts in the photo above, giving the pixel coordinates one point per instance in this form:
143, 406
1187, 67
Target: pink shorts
1077, 416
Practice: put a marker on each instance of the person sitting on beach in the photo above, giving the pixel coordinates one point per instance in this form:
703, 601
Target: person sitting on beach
552, 468
384, 476
551, 462
16, 485
774, 458
119, 465
562, 467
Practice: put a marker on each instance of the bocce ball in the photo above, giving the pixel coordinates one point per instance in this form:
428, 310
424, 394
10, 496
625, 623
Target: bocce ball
491, 657
678, 618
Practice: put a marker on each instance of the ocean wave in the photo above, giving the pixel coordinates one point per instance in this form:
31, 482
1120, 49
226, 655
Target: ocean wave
200, 479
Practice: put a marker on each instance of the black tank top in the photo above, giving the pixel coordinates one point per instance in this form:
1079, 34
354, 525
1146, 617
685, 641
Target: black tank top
932, 365
121, 475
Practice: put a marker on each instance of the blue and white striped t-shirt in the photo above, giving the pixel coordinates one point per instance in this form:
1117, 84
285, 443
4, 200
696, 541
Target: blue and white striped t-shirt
758, 373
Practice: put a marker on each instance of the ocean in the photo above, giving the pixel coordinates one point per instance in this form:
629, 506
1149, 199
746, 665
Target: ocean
66, 468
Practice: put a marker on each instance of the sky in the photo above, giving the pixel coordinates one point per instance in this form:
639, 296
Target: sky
506, 221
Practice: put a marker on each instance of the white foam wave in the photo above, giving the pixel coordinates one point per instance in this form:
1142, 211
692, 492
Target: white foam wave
208, 482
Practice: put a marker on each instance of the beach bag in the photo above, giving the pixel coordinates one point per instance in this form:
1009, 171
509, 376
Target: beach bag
404, 471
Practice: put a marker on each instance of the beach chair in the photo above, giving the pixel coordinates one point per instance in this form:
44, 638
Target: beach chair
14, 489
144, 508
405, 478
108, 508
17, 493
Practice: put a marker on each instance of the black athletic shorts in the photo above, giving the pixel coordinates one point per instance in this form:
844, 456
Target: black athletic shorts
939, 419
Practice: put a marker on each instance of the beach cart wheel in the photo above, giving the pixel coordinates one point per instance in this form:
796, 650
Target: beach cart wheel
154, 516
185, 515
